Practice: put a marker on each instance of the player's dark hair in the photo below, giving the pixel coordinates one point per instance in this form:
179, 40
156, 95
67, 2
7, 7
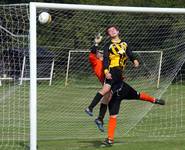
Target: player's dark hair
110, 26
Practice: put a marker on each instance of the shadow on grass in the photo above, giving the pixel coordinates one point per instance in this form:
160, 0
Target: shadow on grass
85, 144
25, 146
92, 143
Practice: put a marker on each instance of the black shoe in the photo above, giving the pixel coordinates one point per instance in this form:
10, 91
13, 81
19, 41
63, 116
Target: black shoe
108, 142
99, 124
159, 101
89, 111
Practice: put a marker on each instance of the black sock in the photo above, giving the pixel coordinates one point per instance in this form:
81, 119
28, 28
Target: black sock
103, 109
95, 101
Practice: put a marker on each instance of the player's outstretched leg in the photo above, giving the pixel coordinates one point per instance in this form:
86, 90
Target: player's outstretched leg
146, 97
127, 92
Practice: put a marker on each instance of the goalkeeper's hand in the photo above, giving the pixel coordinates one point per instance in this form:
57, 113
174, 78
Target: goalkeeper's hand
98, 39
136, 63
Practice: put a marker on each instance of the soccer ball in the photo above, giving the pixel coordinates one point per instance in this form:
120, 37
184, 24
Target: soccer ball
44, 18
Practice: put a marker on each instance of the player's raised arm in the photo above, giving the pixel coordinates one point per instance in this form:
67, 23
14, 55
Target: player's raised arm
94, 49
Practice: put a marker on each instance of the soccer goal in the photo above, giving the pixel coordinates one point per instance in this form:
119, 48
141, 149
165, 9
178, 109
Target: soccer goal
149, 70
45, 69
146, 29
20, 71
35, 111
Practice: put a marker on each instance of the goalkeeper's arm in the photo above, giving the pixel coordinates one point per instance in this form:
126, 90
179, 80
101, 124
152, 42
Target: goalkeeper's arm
97, 41
96, 60
95, 56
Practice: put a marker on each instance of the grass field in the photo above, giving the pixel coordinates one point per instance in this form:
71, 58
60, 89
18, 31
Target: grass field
121, 144
141, 125
63, 125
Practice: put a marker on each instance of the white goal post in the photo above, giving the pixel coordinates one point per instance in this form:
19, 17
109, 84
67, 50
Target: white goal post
33, 47
23, 78
137, 52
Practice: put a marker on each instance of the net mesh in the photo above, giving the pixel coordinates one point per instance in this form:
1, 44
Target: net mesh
73, 31
14, 99
61, 105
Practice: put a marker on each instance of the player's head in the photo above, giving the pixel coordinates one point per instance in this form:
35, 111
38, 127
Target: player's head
112, 31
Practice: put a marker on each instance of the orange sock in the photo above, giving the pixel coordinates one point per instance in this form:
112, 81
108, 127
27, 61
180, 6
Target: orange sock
146, 97
111, 127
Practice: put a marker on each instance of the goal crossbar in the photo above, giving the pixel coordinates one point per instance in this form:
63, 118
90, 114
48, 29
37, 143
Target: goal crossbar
109, 8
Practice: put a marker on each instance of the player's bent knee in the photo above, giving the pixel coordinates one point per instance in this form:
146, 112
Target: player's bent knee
105, 101
106, 88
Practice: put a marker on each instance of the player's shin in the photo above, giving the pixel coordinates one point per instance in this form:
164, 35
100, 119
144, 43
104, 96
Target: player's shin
146, 97
102, 111
112, 127
95, 101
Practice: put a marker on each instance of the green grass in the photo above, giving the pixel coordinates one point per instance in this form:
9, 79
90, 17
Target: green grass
125, 144
63, 125
135, 128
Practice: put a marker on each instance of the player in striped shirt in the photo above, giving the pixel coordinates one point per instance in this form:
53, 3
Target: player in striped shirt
96, 60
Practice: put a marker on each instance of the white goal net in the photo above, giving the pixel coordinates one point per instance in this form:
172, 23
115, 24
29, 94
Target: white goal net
160, 38
14, 99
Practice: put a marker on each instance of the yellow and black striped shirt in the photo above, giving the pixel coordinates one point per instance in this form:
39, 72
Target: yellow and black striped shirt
116, 55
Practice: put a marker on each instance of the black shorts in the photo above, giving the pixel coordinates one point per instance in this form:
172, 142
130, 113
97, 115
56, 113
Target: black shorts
125, 92
116, 80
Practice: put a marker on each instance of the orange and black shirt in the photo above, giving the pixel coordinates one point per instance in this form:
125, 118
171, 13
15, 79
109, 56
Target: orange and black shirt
96, 64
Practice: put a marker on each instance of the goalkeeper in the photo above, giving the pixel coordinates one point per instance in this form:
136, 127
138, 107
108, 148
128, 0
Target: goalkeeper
96, 60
